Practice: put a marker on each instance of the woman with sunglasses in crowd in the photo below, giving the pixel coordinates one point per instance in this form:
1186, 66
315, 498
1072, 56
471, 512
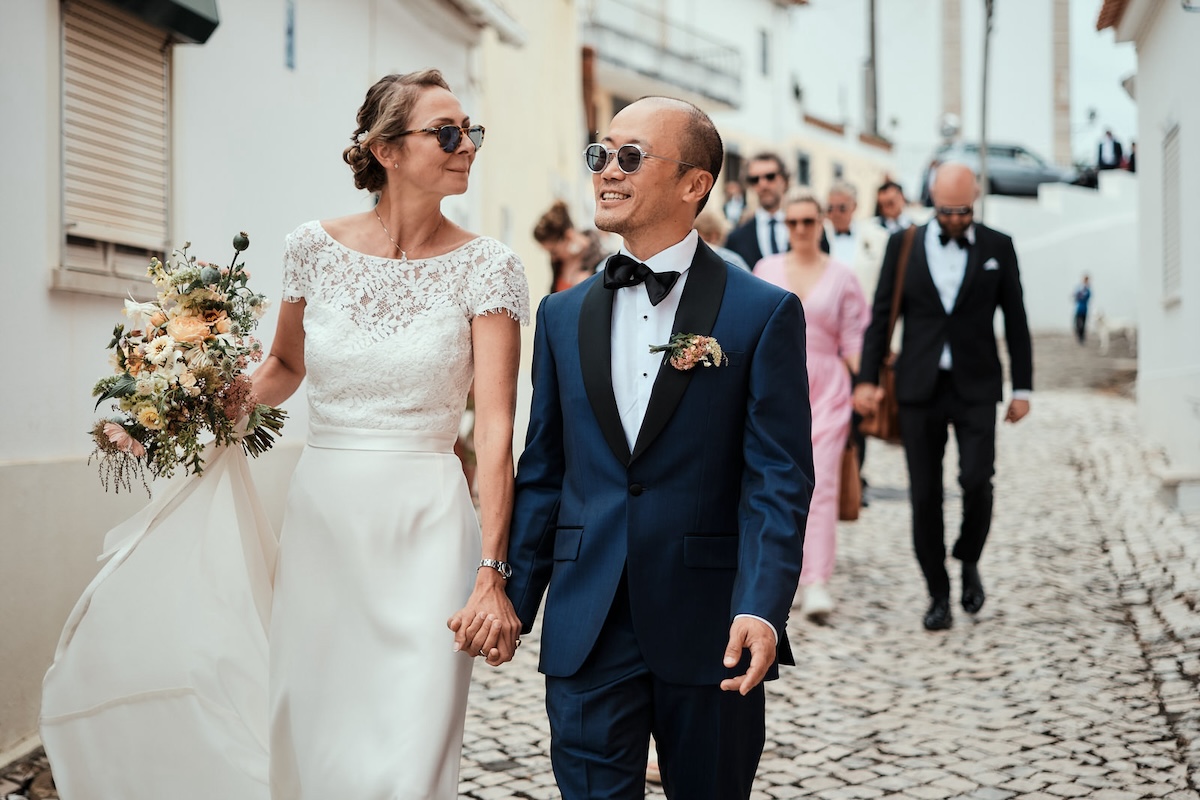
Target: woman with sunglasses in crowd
836, 314
390, 313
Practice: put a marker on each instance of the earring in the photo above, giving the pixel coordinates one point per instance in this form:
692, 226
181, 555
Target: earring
395, 165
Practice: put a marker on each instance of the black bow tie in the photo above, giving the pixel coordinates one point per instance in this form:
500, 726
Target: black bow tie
945, 239
841, 233
622, 271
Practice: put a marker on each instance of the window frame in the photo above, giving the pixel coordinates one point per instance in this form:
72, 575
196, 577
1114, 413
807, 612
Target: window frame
107, 237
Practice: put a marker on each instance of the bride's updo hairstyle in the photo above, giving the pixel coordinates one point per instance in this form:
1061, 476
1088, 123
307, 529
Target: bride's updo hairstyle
385, 113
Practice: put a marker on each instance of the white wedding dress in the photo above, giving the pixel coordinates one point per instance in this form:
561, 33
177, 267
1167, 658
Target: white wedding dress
365, 697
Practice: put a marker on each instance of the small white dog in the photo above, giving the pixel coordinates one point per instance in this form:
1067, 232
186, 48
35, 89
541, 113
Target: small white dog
1107, 329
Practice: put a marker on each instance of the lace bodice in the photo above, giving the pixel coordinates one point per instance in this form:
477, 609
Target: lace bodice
388, 343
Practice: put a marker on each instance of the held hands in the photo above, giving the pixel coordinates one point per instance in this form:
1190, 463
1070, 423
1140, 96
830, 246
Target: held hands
487, 625
866, 399
1017, 409
756, 636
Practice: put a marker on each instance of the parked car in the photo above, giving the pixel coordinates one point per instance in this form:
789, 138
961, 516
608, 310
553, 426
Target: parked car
1012, 169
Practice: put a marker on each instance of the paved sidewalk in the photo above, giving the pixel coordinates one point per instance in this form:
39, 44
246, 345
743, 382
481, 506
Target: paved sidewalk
1078, 678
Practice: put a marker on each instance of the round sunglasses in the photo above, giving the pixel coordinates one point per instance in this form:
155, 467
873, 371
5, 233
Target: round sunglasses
629, 158
450, 136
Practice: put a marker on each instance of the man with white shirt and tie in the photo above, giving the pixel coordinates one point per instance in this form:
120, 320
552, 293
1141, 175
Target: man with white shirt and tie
858, 246
660, 504
948, 372
765, 233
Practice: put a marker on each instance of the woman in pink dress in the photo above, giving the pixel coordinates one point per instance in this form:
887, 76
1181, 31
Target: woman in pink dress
836, 313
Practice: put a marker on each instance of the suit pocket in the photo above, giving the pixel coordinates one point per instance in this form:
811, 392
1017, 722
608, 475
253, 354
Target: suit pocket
566, 543
710, 552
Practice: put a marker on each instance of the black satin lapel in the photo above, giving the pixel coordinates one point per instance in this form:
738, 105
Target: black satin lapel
918, 264
974, 254
595, 360
697, 313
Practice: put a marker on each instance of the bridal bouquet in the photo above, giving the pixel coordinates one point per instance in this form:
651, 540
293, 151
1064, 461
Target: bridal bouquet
179, 372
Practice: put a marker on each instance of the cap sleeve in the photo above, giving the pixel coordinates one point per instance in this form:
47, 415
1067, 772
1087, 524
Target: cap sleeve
497, 283
297, 268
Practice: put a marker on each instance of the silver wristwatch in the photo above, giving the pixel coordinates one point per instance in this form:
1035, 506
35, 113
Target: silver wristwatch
503, 567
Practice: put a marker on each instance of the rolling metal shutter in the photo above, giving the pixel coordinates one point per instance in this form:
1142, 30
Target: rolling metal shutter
116, 163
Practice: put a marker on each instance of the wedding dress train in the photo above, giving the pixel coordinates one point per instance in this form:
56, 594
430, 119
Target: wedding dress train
159, 682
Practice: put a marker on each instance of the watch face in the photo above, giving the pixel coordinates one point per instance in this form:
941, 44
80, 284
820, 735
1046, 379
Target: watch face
505, 570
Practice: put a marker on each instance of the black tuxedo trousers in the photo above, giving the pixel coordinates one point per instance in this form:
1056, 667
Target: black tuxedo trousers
924, 431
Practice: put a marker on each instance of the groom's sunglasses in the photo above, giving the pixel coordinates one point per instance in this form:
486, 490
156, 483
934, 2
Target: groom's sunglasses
629, 158
450, 136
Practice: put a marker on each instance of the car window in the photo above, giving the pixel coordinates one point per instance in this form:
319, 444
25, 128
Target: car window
1029, 159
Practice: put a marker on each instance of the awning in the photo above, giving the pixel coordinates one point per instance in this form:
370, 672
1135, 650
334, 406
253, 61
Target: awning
191, 21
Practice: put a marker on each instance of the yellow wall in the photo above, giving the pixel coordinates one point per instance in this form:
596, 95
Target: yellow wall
533, 110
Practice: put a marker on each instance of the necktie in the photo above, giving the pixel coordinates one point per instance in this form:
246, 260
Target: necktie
772, 225
622, 271
945, 239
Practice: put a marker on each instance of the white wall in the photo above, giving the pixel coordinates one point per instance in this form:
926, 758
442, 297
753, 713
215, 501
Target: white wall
1066, 232
256, 147
1168, 357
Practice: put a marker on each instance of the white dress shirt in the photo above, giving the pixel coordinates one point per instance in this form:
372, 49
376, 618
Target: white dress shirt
636, 325
947, 266
762, 226
843, 248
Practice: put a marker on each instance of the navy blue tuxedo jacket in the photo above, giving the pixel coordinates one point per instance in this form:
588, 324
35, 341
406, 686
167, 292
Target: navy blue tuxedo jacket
707, 512
992, 281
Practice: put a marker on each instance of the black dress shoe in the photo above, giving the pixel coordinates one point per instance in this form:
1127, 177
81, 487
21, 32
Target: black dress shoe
938, 617
972, 588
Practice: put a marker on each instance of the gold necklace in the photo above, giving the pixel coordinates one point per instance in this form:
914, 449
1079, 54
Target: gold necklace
387, 233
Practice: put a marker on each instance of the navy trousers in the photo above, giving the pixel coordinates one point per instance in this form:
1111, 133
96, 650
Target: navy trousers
708, 741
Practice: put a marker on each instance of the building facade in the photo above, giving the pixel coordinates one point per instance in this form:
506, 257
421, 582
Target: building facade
1168, 166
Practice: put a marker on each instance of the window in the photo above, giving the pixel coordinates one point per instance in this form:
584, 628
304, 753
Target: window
115, 162
1171, 200
764, 50
839, 171
803, 169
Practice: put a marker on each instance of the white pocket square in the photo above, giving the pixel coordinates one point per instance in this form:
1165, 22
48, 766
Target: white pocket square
991, 264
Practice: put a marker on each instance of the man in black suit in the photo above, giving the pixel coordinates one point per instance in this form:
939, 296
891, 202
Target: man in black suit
765, 233
948, 373
1108, 154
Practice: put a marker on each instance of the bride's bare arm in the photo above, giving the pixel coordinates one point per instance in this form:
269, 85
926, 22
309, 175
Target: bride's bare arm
488, 621
281, 373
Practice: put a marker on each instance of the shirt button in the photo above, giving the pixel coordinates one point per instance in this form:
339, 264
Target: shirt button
645, 316
644, 374
635, 489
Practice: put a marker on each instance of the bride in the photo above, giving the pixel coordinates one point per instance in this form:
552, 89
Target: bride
390, 314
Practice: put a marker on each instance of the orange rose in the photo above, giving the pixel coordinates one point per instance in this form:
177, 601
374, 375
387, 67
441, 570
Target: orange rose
157, 319
188, 329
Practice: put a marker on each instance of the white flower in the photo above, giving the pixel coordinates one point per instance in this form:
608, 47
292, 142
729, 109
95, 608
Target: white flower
140, 313
161, 350
198, 357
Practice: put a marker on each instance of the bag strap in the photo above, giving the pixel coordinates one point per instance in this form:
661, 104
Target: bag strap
906, 245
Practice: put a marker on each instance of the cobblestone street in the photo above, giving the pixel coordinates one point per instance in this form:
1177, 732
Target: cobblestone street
1077, 679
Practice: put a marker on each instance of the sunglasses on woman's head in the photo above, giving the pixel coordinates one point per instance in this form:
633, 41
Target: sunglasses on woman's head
450, 136
629, 158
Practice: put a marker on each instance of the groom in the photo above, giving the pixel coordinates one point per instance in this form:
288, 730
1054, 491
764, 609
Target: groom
661, 510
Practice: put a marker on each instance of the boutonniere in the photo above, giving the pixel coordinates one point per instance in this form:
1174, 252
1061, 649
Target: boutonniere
686, 350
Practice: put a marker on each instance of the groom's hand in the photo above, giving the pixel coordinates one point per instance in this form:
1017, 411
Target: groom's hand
487, 625
756, 636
